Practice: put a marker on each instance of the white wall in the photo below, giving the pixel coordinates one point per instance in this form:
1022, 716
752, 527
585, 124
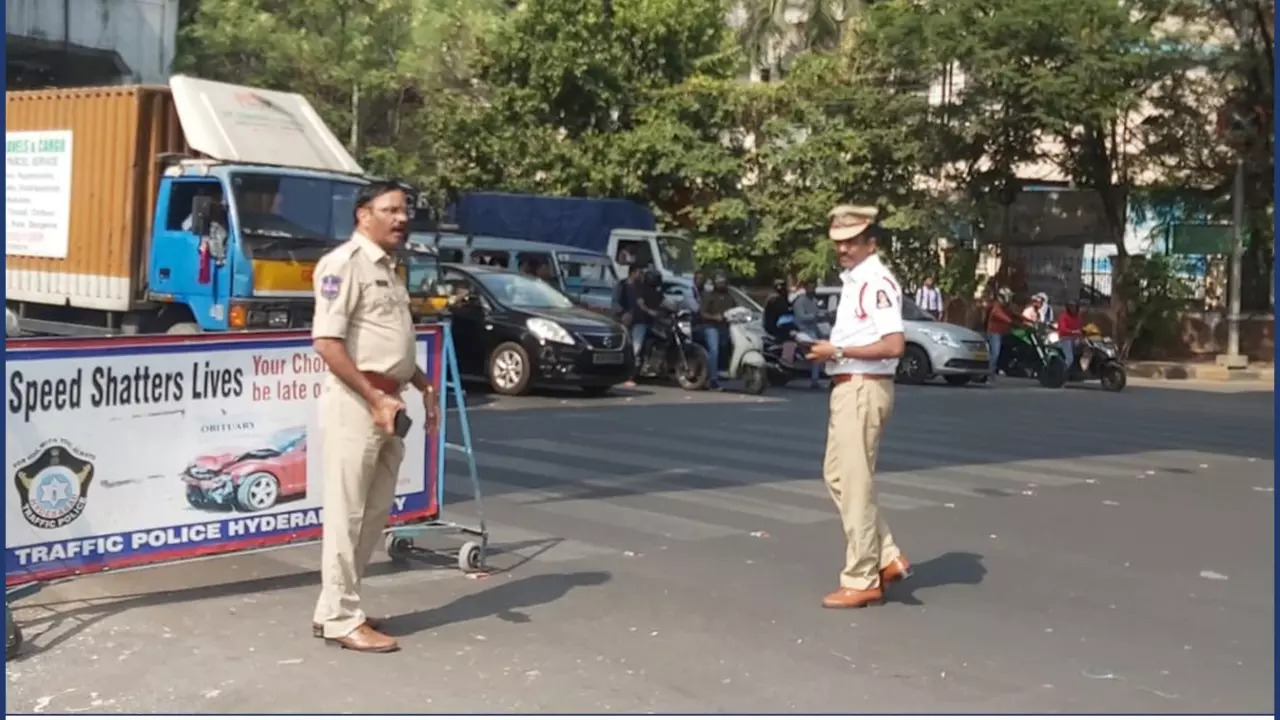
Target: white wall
142, 32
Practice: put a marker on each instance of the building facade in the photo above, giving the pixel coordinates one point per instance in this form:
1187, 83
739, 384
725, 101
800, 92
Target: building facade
69, 43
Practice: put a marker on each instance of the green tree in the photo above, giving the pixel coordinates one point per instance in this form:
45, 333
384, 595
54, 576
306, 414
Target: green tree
368, 66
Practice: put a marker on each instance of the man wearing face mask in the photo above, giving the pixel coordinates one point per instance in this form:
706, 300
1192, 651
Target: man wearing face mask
363, 330
861, 356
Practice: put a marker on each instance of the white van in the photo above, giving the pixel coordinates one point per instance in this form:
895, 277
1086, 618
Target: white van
585, 276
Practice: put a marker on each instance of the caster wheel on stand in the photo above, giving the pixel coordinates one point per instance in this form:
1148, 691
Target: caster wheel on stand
471, 557
399, 549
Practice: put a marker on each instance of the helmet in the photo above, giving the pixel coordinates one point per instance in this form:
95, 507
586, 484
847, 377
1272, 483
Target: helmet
652, 278
780, 285
720, 279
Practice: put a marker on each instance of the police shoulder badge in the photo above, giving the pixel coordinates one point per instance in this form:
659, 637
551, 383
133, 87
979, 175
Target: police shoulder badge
53, 485
882, 300
329, 286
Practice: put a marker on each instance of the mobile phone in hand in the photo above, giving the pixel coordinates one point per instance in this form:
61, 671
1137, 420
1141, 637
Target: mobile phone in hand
403, 423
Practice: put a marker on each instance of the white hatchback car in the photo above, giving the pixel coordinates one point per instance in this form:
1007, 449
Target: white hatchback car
954, 353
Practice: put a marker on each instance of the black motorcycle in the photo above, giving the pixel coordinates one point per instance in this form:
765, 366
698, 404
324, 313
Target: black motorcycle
1032, 351
669, 351
1098, 358
780, 370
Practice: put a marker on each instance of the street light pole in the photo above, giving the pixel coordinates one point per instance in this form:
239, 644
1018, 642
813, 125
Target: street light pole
1233, 359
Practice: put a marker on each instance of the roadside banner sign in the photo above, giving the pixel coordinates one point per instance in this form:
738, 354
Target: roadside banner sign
124, 452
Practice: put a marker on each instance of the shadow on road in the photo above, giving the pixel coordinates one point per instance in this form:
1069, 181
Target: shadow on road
952, 568
64, 619
503, 601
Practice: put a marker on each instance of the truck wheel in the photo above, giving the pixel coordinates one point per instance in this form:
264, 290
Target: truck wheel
183, 328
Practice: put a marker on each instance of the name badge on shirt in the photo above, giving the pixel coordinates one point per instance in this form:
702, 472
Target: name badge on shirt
381, 283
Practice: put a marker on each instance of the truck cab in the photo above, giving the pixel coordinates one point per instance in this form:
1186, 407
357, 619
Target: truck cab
208, 213
234, 246
671, 254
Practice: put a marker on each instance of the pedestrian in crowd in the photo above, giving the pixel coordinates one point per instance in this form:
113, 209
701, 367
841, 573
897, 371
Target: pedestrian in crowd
929, 298
861, 356
806, 312
715, 329
363, 330
999, 321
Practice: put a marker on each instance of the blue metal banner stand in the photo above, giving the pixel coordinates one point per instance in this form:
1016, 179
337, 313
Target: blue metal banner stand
400, 540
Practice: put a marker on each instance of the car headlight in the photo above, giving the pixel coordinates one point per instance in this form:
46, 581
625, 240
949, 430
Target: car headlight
549, 331
1053, 336
941, 337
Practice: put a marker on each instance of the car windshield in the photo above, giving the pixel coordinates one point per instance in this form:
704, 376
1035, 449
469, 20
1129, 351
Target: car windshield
742, 298
581, 271
912, 311
285, 440
677, 254
289, 206
522, 291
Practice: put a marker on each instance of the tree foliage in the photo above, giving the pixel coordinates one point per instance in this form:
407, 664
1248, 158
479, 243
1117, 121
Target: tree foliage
644, 99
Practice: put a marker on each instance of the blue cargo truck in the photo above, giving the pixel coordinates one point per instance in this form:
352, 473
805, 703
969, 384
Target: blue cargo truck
197, 207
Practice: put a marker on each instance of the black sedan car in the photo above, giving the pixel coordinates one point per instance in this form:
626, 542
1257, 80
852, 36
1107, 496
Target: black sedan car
518, 332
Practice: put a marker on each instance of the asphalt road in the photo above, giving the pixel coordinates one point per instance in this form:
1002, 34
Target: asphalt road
1075, 551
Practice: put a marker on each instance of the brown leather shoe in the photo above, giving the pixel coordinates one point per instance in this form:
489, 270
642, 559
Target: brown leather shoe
317, 630
898, 569
845, 598
365, 639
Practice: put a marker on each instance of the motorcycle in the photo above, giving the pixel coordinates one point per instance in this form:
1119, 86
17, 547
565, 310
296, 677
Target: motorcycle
781, 370
745, 359
1032, 351
669, 351
1098, 358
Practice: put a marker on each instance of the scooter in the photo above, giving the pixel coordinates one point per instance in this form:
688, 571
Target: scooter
746, 359
1098, 358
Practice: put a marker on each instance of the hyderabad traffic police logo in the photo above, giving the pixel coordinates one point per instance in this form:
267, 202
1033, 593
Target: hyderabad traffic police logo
54, 485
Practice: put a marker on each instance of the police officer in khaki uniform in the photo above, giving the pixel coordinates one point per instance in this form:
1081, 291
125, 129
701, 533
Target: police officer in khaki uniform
363, 330
861, 357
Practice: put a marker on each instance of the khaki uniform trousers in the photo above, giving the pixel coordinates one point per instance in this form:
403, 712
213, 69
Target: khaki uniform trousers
359, 471
860, 408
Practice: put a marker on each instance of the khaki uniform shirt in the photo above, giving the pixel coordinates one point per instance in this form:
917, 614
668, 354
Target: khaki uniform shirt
360, 299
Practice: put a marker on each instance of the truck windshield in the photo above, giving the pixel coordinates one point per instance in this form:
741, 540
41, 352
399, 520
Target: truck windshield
581, 271
677, 254
290, 206
424, 272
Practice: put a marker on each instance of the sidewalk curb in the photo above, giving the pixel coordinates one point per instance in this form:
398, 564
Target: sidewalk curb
1199, 371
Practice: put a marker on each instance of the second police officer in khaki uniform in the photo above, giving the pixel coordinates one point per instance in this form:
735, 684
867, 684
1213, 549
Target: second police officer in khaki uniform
363, 330
862, 356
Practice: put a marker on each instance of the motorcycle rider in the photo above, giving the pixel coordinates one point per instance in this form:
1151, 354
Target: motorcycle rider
777, 305
805, 310
999, 322
715, 329
648, 301
1070, 331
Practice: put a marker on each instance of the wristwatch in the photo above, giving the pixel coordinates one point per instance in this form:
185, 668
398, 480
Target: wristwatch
840, 353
